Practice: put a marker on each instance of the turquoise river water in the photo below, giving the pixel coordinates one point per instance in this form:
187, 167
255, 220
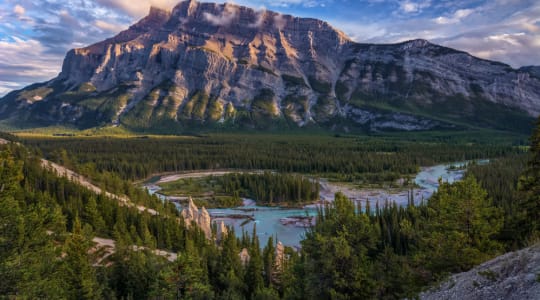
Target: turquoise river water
283, 223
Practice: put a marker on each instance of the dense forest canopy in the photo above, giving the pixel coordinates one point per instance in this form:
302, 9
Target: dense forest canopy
349, 158
48, 223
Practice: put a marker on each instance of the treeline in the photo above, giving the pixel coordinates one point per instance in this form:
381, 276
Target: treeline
271, 188
365, 159
501, 179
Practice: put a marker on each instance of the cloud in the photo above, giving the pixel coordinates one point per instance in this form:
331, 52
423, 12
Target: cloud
110, 27
282, 3
19, 10
7, 86
224, 19
455, 18
259, 19
137, 8
361, 32
24, 62
512, 39
35, 38
517, 49
279, 21
411, 7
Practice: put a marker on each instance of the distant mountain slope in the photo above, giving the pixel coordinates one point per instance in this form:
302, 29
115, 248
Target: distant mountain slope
222, 65
514, 275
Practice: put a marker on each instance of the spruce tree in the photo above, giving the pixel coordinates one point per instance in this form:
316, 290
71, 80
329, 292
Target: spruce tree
79, 273
92, 215
462, 224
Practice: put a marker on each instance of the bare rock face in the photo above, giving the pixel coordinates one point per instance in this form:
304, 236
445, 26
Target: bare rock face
190, 213
280, 257
515, 275
205, 223
206, 64
222, 231
202, 219
244, 256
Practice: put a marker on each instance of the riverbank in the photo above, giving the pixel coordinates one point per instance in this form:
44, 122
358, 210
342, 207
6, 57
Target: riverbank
289, 224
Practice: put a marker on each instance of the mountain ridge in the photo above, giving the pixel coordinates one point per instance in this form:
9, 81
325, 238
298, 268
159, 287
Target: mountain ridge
229, 66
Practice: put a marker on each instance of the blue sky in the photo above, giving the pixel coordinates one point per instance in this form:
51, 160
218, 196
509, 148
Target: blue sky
36, 34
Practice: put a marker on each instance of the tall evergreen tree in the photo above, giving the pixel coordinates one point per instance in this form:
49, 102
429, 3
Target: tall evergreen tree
192, 277
253, 276
336, 254
269, 258
93, 217
80, 276
461, 226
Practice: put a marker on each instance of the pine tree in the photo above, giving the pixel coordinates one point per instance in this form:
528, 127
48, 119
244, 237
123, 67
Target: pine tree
192, 278
336, 264
93, 216
253, 277
80, 276
269, 258
461, 226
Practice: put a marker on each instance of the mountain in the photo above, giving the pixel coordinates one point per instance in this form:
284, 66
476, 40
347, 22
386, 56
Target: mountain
206, 65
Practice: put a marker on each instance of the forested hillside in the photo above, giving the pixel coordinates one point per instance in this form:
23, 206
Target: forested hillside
46, 250
353, 251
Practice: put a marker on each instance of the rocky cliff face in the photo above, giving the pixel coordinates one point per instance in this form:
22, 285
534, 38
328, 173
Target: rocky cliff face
205, 64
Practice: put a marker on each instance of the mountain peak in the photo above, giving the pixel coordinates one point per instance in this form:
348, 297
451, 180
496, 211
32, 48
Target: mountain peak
205, 15
417, 43
185, 8
158, 12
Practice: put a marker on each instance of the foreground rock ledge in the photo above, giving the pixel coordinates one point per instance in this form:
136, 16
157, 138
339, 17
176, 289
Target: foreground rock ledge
515, 275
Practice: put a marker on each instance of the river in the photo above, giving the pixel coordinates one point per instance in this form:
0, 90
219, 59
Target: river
270, 221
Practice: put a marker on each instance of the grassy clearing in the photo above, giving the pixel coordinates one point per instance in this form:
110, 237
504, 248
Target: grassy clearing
205, 191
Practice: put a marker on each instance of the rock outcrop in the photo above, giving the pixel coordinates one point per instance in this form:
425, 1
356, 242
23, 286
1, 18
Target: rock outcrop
515, 275
190, 213
280, 257
205, 223
222, 231
244, 256
206, 64
202, 219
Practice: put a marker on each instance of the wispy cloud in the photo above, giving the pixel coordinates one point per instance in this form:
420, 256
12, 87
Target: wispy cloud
19, 10
110, 27
413, 7
287, 3
224, 19
24, 61
456, 17
137, 8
